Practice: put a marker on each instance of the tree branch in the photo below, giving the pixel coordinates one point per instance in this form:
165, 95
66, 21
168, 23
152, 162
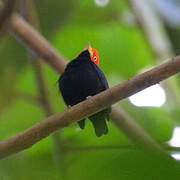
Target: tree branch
88, 107
130, 127
37, 43
156, 36
29, 13
6, 11
153, 29
43, 49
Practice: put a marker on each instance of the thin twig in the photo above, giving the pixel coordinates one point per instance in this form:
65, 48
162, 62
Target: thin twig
69, 149
30, 14
88, 107
46, 105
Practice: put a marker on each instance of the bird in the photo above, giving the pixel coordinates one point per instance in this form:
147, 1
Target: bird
82, 79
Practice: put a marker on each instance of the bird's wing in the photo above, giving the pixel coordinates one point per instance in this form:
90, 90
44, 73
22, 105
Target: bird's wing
101, 77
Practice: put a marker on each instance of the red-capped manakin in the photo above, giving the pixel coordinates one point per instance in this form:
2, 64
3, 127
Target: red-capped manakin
81, 79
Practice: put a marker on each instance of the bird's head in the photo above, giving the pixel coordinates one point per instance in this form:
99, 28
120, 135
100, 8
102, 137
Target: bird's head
94, 56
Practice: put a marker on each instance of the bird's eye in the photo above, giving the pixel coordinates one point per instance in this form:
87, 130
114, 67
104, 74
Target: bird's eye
95, 59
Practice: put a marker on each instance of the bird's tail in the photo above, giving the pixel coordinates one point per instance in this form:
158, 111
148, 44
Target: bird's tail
99, 122
81, 123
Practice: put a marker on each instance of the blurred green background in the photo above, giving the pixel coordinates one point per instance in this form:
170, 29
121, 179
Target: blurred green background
109, 26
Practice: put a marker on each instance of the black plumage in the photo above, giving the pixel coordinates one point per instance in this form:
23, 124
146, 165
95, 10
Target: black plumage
81, 79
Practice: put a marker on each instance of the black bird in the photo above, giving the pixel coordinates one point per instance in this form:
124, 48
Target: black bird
81, 79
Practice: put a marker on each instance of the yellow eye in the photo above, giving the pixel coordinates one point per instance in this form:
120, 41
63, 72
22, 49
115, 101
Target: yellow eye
95, 58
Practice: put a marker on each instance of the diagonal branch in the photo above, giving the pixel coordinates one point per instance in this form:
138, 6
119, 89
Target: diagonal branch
152, 28
156, 36
90, 106
43, 49
129, 126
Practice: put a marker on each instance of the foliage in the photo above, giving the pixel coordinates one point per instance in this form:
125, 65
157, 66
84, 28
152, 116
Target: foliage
70, 26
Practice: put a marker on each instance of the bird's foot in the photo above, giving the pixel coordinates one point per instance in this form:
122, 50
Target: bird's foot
88, 97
